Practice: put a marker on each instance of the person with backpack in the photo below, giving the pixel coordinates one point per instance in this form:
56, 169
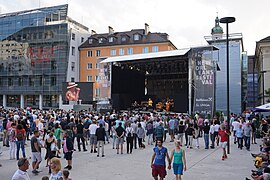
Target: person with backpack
20, 136
129, 134
159, 132
68, 148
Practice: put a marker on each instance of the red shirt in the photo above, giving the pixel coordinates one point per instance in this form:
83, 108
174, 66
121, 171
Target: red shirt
223, 135
22, 131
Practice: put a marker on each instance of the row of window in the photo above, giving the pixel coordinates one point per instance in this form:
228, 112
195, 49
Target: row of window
90, 78
121, 51
90, 66
124, 38
31, 81
73, 37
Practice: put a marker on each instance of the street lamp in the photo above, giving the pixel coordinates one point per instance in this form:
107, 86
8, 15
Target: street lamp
228, 20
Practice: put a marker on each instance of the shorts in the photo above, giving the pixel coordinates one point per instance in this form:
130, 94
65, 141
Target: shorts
68, 155
119, 141
171, 131
178, 169
36, 157
224, 144
93, 139
158, 170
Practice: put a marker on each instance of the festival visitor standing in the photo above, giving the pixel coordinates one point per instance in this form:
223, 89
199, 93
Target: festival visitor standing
149, 132
93, 138
191, 133
140, 134
100, 134
212, 136
113, 134
68, 148
206, 129
36, 151
80, 137
235, 126
253, 134
178, 157
12, 141
58, 134
51, 147
56, 169
247, 134
224, 136
20, 135
120, 133
158, 163
129, 134
21, 173
134, 126
159, 132
181, 131
239, 136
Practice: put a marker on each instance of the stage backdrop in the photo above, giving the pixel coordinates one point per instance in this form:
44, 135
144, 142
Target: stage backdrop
85, 92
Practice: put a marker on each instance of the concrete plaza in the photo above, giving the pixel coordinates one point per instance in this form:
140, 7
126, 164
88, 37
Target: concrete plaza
201, 164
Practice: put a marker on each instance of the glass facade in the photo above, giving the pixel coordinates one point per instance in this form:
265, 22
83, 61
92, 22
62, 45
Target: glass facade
235, 50
34, 48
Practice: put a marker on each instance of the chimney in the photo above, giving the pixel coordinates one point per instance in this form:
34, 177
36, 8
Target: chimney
93, 32
111, 31
146, 29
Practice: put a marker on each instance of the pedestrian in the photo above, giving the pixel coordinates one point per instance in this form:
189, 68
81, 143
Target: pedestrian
191, 134
21, 173
93, 138
212, 136
178, 157
12, 141
171, 128
68, 148
206, 129
216, 130
80, 136
36, 151
129, 137
56, 169
224, 136
134, 126
20, 136
158, 163
66, 175
120, 133
113, 132
149, 132
239, 136
247, 134
181, 131
253, 134
235, 126
100, 134
140, 134
58, 135
50, 145
160, 132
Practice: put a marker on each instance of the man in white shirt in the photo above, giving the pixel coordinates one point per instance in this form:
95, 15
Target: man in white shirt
93, 138
235, 125
21, 173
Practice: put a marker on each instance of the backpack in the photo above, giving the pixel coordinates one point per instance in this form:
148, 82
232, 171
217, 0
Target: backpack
19, 135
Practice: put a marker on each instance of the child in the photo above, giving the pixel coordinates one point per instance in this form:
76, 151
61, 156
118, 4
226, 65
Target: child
178, 157
224, 136
66, 174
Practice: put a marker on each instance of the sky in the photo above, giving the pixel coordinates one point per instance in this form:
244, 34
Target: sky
186, 21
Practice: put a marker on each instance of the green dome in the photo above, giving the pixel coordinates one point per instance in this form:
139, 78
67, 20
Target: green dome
217, 29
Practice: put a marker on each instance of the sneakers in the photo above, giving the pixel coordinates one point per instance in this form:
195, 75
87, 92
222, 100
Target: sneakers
68, 167
223, 158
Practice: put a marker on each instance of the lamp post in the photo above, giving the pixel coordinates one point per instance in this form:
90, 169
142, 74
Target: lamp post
227, 20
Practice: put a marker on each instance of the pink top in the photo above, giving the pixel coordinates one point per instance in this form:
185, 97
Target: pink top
65, 146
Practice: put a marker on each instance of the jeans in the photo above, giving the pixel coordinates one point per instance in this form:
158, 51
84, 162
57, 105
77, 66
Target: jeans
20, 144
150, 139
247, 142
212, 137
100, 143
129, 144
114, 140
79, 139
190, 140
180, 137
240, 142
135, 140
206, 140
12, 148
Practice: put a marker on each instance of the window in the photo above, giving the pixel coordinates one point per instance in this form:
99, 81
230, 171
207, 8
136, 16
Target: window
82, 39
155, 49
97, 92
89, 66
113, 52
101, 40
136, 37
41, 81
20, 81
111, 39
89, 78
31, 81
121, 51
10, 82
73, 51
89, 54
97, 78
53, 65
72, 66
73, 36
53, 81
123, 38
98, 53
1, 81
130, 51
97, 65
72, 79
145, 50
90, 41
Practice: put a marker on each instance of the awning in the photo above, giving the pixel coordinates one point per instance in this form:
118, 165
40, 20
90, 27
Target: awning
179, 52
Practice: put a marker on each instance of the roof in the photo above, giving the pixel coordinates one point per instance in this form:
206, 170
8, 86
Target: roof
179, 52
144, 38
267, 39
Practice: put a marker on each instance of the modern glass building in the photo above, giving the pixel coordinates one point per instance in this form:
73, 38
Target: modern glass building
38, 52
236, 69
252, 77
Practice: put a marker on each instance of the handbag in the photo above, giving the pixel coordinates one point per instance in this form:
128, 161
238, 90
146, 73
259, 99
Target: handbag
53, 146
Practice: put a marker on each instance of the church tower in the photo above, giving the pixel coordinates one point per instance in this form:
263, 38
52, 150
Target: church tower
217, 31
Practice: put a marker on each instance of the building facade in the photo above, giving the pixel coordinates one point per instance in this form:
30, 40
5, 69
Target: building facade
237, 69
38, 52
262, 63
101, 46
252, 77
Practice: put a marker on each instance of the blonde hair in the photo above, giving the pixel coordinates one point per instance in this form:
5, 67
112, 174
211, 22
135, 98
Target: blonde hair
57, 163
178, 143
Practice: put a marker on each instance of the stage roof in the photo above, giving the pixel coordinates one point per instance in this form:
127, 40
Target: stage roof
179, 52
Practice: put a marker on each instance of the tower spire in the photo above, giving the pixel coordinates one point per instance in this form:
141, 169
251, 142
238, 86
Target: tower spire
217, 31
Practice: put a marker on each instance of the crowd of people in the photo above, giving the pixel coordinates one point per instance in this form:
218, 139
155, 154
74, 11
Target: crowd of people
56, 131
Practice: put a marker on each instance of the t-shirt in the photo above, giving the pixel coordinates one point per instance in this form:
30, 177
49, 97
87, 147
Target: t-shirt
160, 156
57, 133
119, 131
20, 134
93, 128
235, 125
20, 175
223, 136
80, 128
33, 141
56, 176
